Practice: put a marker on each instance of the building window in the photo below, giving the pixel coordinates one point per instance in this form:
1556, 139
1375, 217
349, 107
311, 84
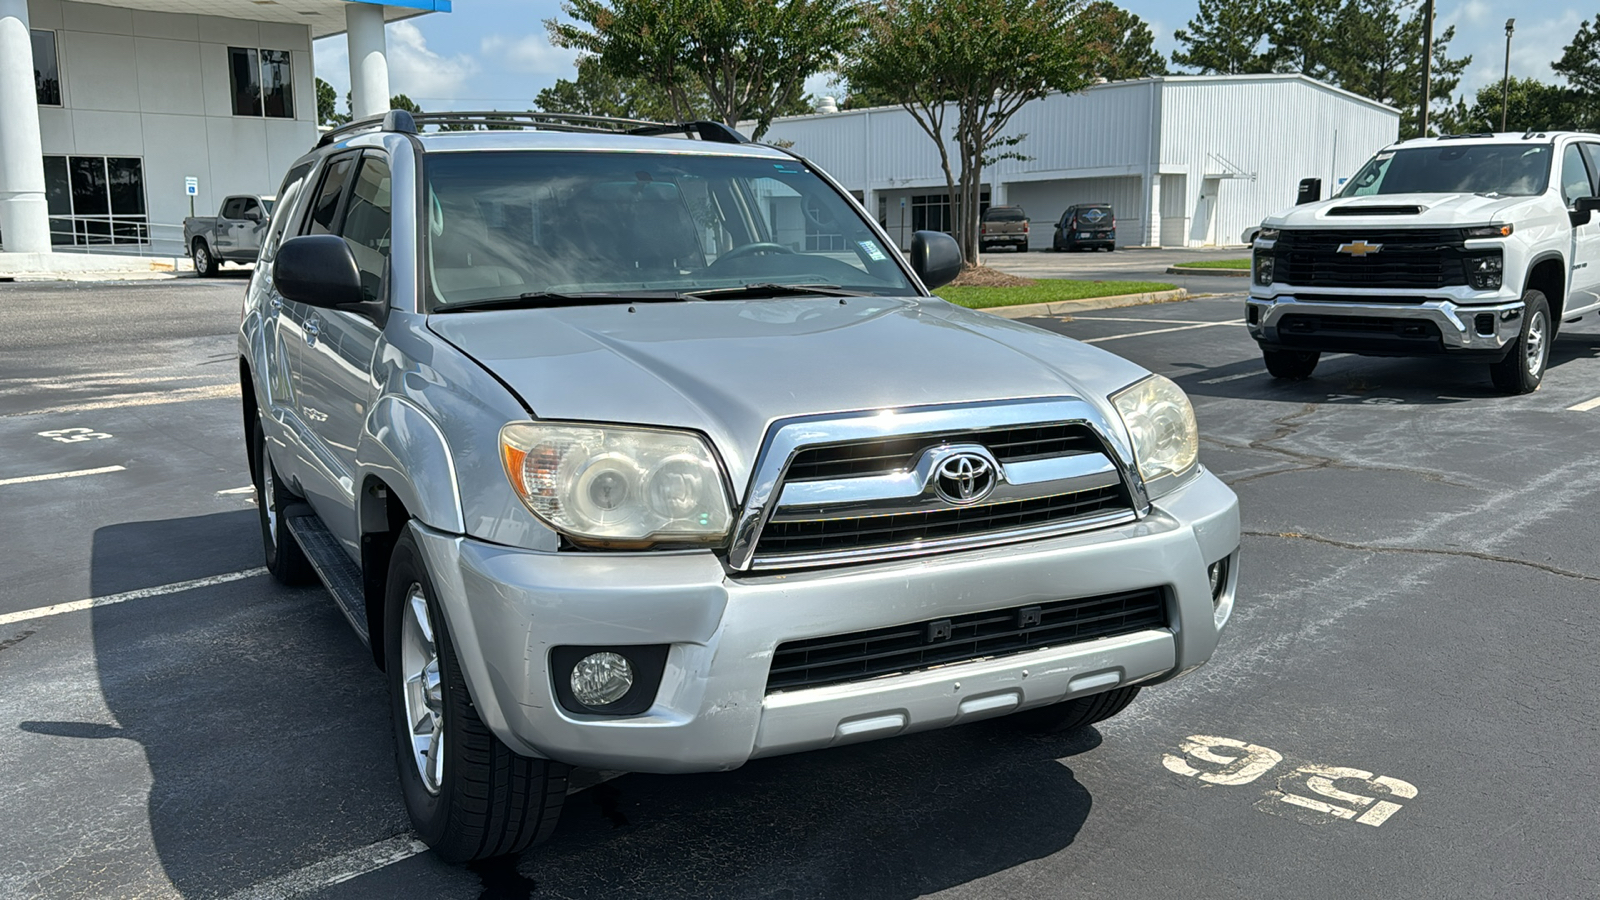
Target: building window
46, 70
931, 212
96, 200
263, 82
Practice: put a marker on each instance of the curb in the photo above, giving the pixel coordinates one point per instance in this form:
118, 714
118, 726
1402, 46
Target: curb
1196, 270
1062, 307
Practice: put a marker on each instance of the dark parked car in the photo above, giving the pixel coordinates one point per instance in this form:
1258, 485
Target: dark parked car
1086, 226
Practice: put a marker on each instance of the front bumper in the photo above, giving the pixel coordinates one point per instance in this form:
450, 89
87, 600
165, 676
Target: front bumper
1458, 324
506, 608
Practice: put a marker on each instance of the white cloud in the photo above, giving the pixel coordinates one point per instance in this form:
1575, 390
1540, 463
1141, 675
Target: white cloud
1536, 42
530, 55
419, 73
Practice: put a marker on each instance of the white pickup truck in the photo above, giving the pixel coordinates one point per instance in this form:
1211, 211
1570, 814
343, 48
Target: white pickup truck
1463, 246
232, 235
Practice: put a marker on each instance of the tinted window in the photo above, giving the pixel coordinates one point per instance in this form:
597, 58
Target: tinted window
1004, 214
367, 223
233, 209
326, 205
46, 73
246, 80
1593, 152
277, 84
1575, 181
246, 205
126, 182
1510, 170
288, 193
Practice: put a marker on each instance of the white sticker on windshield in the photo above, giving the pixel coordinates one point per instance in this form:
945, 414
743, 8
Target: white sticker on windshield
872, 250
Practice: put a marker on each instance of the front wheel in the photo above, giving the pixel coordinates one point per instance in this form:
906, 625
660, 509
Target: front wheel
1522, 369
1295, 365
469, 796
1079, 712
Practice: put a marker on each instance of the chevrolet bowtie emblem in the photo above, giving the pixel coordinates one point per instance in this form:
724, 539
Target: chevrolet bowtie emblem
1359, 248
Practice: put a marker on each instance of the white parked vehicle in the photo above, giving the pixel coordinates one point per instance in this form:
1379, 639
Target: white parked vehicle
1474, 245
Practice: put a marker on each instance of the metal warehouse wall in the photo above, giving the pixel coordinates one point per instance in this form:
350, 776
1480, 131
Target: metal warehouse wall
1045, 201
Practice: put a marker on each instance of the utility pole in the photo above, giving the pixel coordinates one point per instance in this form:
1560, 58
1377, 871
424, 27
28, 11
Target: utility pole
1505, 80
1427, 63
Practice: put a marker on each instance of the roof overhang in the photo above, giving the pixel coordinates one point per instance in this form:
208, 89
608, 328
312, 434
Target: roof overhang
326, 17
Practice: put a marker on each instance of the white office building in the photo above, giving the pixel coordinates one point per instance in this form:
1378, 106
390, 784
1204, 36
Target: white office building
108, 109
1184, 161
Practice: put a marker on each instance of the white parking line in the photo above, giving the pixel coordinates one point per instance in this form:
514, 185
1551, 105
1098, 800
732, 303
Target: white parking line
52, 476
1118, 337
1585, 406
1077, 318
42, 612
1232, 377
239, 490
140, 398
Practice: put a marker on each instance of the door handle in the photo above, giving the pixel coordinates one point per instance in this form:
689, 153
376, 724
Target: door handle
313, 328
276, 303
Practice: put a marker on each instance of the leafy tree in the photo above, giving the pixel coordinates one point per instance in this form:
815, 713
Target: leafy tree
1303, 36
1580, 66
1123, 47
750, 58
935, 58
401, 101
1228, 37
597, 92
1379, 55
1531, 105
328, 105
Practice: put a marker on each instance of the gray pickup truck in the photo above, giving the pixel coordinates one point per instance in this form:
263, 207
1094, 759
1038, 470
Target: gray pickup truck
609, 470
233, 235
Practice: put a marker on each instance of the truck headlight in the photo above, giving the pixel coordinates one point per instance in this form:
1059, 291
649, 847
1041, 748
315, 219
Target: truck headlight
618, 487
1160, 421
1486, 271
1264, 268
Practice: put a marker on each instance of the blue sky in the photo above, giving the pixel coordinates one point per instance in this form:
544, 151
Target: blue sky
495, 54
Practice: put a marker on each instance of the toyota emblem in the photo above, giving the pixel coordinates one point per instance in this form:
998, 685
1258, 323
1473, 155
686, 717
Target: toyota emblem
964, 478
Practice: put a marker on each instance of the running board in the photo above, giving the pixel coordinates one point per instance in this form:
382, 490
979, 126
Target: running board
341, 576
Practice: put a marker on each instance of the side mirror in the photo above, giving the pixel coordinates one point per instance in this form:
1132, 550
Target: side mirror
935, 257
318, 270
253, 214
1310, 191
1583, 210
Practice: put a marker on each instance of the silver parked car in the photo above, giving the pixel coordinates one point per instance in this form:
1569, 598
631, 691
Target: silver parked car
640, 447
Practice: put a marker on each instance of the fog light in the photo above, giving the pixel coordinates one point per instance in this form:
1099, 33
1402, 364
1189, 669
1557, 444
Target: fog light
1218, 572
601, 678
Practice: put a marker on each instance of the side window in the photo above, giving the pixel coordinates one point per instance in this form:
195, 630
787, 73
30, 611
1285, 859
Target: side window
367, 223
287, 195
233, 209
246, 205
1592, 150
1575, 181
326, 204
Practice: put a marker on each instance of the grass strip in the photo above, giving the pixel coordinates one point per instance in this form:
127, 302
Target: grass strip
1048, 290
1214, 264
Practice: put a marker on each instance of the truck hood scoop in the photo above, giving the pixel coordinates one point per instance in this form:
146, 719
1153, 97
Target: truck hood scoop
729, 369
1374, 209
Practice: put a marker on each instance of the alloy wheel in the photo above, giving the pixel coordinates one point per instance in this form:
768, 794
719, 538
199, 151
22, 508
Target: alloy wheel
424, 695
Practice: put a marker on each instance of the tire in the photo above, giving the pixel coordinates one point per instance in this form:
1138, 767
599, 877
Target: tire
482, 800
1022, 248
1294, 365
285, 560
1079, 712
1522, 369
205, 265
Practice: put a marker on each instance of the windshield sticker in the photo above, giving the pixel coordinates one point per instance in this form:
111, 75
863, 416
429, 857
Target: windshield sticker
871, 249
786, 169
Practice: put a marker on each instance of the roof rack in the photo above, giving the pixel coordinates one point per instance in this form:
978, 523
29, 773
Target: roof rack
1463, 137
402, 122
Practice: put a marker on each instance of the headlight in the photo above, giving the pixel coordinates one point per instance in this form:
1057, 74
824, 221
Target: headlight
1489, 231
1166, 441
1485, 271
613, 486
1264, 268
1267, 234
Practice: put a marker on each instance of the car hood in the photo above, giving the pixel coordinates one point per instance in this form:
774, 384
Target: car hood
728, 369
1435, 211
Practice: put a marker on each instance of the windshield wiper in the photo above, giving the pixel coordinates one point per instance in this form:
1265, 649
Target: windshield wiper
534, 299
762, 289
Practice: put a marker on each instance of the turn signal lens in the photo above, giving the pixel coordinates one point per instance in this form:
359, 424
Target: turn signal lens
1489, 231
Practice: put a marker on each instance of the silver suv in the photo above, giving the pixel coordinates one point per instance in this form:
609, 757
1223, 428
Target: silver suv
640, 447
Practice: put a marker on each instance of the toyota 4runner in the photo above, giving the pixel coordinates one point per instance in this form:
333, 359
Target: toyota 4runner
1472, 246
610, 466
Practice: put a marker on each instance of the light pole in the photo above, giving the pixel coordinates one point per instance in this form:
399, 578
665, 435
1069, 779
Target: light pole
1505, 80
1427, 63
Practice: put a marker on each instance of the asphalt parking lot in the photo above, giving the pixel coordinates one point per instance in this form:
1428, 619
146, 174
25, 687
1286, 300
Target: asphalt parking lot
1403, 705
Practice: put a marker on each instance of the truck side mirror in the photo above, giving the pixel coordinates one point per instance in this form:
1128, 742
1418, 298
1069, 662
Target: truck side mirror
1583, 211
318, 270
253, 214
935, 257
1310, 191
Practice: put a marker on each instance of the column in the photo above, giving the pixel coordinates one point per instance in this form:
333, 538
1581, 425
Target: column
369, 61
1152, 222
24, 215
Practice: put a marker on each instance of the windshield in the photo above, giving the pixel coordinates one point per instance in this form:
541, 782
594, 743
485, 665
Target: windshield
1510, 170
507, 224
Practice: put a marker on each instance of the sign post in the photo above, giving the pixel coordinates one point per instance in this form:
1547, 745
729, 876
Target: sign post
191, 186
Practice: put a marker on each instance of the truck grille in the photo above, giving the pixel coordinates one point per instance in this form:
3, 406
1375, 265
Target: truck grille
897, 454
907, 648
1410, 258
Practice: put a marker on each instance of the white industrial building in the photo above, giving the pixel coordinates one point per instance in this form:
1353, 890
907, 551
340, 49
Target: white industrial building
1185, 161
106, 109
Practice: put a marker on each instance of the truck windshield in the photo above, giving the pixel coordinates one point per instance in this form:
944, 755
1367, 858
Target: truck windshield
1506, 170
519, 224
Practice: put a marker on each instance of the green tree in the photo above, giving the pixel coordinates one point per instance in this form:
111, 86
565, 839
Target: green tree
1303, 36
1580, 66
1123, 47
401, 101
750, 58
1532, 105
1228, 37
328, 114
596, 92
932, 58
1379, 56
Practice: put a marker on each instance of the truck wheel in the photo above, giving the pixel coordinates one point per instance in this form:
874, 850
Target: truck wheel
1522, 369
1076, 713
285, 560
1295, 365
468, 795
205, 265
1022, 248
